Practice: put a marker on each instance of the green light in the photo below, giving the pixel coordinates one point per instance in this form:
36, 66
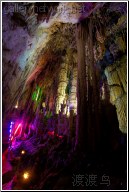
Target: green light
34, 95
37, 94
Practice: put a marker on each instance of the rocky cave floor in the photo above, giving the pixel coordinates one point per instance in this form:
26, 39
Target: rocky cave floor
52, 164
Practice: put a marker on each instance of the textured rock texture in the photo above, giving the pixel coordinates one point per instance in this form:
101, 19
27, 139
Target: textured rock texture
117, 80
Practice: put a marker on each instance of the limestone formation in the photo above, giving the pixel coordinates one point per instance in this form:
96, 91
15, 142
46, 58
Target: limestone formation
117, 81
73, 91
61, 99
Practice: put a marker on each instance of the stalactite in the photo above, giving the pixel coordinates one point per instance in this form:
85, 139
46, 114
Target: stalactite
87, 89
81, 129
95, 88
89, 92
87, 66
93, 70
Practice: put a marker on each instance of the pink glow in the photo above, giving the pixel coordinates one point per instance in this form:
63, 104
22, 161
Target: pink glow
17, 128
50, 132
11, 138
59, 136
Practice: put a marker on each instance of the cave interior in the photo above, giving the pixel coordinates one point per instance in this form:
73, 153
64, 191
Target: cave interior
64, 95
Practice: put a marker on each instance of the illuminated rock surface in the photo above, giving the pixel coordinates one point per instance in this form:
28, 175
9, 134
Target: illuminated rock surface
64, 94
117, 81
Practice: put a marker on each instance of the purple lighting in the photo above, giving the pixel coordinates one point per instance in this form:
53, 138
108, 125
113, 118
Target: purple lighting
10, 130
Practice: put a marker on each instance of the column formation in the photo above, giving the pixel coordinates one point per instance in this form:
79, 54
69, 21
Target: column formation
62, 84
73, 92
